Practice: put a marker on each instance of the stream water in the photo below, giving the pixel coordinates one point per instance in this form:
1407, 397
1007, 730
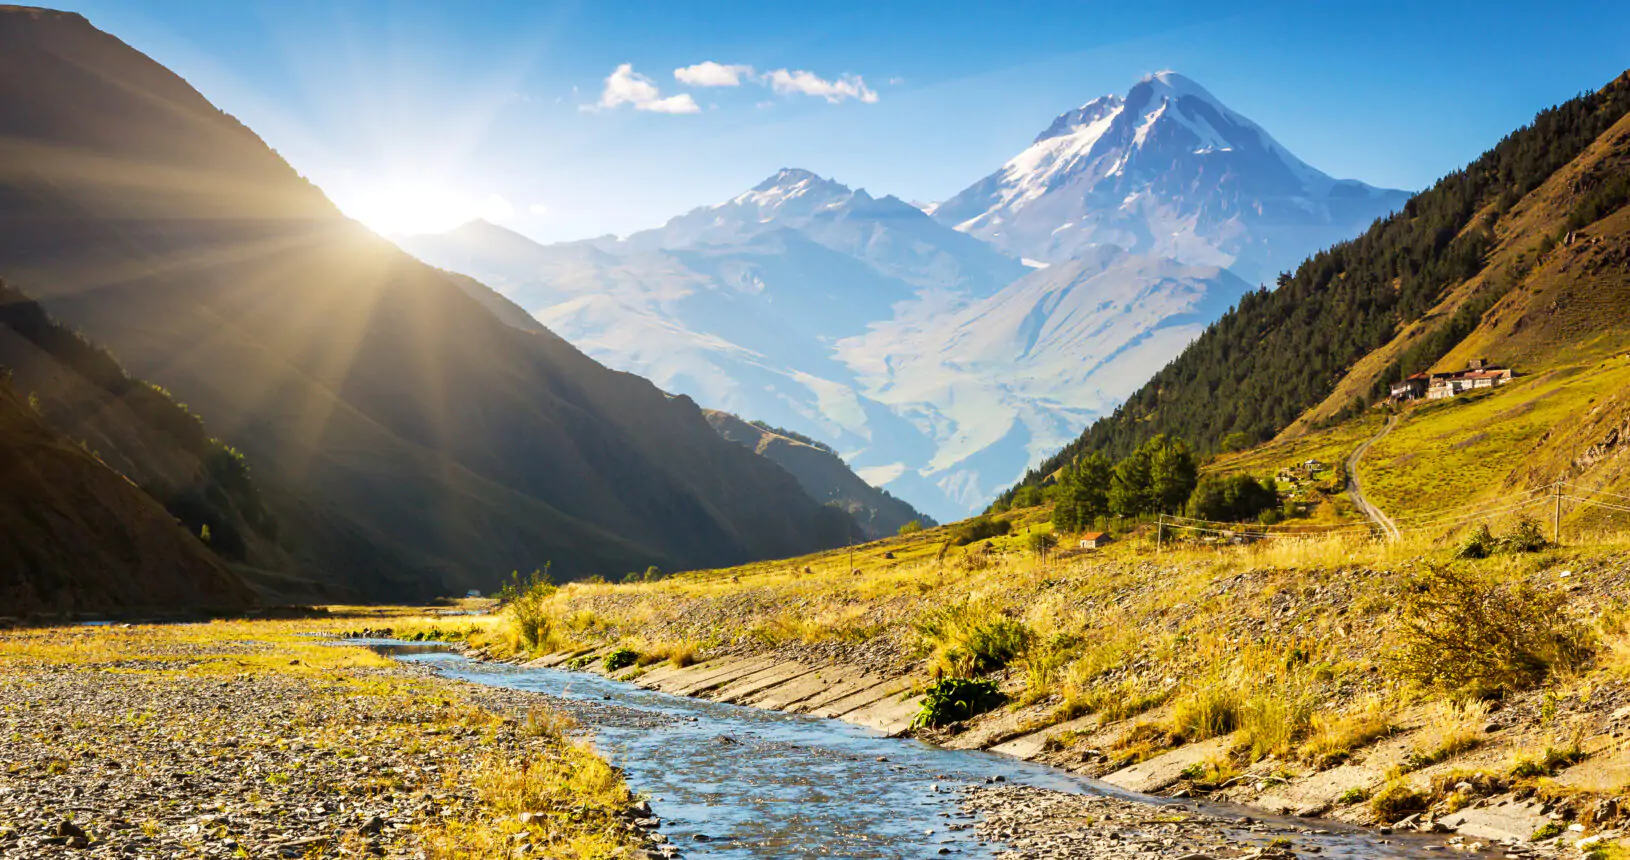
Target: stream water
759, 783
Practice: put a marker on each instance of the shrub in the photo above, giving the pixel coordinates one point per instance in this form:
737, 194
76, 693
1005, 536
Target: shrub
1041, 542
965, 639
911, 527
952, 699
1548, 830
621, 658
1356, 794
1479, 544
1525, 537
979, 528
526, 603
1395, 801
1461, 634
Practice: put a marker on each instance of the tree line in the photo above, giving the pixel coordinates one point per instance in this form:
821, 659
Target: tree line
1161, 476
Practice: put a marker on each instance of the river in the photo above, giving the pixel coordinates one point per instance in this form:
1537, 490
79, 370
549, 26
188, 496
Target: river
739, 782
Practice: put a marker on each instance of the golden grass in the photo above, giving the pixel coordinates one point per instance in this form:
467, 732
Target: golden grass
1333, 737
1454, 728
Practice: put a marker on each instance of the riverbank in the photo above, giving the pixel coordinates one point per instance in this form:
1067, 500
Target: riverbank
257, 739
1271, 676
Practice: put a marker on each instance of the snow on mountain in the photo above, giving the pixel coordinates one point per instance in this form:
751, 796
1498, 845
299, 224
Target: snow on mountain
1166, 170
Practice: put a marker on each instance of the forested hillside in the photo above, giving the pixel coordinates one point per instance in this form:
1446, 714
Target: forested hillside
1282, 351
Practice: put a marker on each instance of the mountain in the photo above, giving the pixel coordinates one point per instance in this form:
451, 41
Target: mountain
1522, 257
1167, 170
822, 474
80, 538
739, 305
1016, 375
407, 442
940, 366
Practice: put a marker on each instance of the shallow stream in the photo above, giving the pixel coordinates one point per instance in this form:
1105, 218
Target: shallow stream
759, 784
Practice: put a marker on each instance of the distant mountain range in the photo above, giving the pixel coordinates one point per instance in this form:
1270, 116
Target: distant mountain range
943, 352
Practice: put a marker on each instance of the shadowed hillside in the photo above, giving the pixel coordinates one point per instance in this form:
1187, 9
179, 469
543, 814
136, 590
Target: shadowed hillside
407, 441
80, 538
824, 475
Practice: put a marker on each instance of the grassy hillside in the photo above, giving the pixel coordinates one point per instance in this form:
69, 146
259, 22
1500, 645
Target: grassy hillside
408, 442
80, 538
1394, 301
824, 476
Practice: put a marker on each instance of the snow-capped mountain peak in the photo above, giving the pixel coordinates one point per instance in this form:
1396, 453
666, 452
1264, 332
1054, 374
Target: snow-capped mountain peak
1166, 169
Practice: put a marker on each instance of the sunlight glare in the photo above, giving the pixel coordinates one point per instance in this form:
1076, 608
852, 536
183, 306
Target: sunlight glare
399, 207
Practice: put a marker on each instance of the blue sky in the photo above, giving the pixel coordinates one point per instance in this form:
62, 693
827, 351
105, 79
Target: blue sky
416, 115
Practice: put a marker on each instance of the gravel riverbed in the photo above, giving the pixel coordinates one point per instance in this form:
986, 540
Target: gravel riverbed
236, 750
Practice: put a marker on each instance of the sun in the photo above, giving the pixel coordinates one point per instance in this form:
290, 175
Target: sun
406, 207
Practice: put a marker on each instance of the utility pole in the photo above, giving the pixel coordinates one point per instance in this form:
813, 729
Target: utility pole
1556, 518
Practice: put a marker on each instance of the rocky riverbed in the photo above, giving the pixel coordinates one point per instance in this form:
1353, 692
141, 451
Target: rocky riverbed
125, 744
1037, 823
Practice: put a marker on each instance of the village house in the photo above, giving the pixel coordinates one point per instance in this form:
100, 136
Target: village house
1094, 540
1412, 388
1438, 386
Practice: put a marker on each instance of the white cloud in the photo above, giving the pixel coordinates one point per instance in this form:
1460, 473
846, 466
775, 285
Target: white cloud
810, 84
626, 86
711, 74
538, 209
682, 103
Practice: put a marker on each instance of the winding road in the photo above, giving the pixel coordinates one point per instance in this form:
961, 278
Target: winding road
1376, 515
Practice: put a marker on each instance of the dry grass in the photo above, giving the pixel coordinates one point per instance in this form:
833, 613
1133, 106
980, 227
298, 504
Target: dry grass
1333, 737
1454, 728
562, 801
